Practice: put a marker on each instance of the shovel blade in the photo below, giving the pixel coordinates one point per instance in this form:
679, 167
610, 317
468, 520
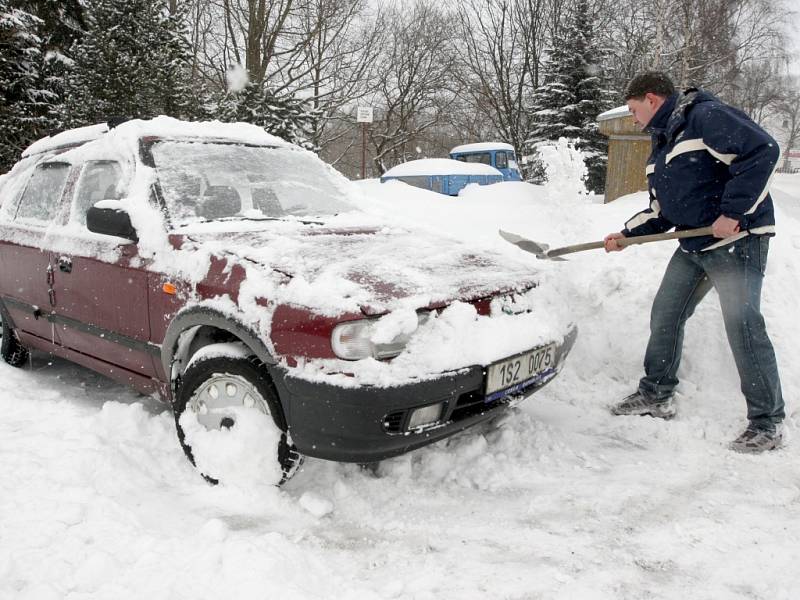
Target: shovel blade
536, 248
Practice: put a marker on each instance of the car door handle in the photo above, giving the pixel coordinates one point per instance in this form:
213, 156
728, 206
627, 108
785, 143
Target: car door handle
65, 264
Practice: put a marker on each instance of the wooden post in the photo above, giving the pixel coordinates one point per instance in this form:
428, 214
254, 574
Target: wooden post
364, 116
363, 150
628, 149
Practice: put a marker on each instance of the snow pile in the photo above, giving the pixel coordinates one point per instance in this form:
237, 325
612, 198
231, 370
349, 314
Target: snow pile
456, 338
242, 455
557, 499
565, 168
66, 138
377, 269
164, 127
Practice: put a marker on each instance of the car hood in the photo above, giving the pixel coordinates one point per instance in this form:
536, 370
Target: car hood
377, 269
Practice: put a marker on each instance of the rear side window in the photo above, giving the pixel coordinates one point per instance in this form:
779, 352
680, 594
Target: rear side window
483, 158
39, 202
13, 183
100, 180
420, 181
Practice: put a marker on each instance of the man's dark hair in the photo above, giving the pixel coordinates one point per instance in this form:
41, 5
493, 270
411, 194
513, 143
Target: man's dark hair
650, 82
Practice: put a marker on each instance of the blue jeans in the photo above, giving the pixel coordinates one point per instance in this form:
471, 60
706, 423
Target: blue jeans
736, 271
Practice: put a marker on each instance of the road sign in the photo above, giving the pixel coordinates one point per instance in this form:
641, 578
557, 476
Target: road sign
364, 114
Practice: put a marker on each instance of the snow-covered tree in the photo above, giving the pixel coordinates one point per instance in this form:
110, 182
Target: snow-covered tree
23, 106
60, 25
573, 94
500, 43
134, 60
286, 117
411, 95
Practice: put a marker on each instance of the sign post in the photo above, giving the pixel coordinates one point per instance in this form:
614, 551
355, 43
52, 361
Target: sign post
364, 116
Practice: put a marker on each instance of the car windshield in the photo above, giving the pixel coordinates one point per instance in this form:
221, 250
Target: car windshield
203, 181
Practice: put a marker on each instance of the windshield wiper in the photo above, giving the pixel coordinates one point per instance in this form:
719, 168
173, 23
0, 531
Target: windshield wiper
244, 218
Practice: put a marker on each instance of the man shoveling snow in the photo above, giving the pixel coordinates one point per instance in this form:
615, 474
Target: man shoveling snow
710, 165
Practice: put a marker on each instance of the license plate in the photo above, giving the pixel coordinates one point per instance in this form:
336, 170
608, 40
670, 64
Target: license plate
520, 369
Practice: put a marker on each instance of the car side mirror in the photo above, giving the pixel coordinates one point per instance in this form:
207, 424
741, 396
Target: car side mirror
110, 218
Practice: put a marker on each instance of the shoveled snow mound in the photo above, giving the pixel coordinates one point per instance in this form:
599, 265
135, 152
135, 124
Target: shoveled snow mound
554, 500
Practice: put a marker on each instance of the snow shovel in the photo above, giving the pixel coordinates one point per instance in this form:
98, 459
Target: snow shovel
543, 251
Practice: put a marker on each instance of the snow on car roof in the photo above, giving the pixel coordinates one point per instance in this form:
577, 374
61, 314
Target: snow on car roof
162, 126
440, 166
67, 138
482, 147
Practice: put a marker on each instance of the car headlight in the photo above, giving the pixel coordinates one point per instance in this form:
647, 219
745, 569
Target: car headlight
352, 340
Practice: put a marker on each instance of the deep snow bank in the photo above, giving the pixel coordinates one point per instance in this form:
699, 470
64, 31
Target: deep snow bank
555, 500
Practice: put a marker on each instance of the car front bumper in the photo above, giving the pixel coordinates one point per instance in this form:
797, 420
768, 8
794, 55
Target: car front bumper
369, 424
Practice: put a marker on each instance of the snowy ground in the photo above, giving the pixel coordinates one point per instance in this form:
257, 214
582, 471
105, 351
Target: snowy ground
557, 499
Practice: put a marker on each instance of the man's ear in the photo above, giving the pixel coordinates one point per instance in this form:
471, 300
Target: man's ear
655, 100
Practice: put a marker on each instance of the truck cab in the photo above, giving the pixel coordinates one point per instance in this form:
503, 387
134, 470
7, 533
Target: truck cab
496, 154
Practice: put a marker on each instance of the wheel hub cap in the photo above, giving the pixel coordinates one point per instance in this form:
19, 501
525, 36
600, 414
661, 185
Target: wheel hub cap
213, 400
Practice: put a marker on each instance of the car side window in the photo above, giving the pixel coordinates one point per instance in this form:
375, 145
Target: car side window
502, 160
39, 202
13, 183
99, 180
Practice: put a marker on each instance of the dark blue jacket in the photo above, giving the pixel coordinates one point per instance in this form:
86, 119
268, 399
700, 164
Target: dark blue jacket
708, 159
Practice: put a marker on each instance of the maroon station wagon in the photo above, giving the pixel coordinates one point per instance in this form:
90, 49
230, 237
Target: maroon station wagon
216, 267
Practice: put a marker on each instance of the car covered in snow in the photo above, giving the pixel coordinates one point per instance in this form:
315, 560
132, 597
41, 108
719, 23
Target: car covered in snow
442, 175
240, 279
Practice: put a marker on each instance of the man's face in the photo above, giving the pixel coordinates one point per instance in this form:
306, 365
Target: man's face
644, 108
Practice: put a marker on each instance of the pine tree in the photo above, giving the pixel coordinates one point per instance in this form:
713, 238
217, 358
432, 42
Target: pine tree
573, 95
593, 97
61, 22
22, 104
286, 117
46, 29
61, 25
133, 61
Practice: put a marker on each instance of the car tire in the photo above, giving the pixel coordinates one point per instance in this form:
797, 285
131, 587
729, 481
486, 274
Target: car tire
250, 375
11, 350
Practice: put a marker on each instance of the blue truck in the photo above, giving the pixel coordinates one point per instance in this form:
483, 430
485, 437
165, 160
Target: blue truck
483, 163
442, 175
496, 154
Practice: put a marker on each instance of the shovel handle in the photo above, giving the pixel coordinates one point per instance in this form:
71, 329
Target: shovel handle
631, 241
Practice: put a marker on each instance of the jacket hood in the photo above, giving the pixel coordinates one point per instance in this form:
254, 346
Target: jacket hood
672, 113
683, 101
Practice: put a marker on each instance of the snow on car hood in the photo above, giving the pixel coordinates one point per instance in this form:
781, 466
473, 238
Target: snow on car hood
374, 270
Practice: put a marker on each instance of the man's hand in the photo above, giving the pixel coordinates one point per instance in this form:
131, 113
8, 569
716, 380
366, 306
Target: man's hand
724, 227
611, 242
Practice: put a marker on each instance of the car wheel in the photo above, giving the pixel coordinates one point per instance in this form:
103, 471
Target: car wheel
229, 421
11, 350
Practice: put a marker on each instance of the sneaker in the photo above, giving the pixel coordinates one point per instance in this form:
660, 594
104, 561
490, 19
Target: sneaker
755, 440
636, 404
